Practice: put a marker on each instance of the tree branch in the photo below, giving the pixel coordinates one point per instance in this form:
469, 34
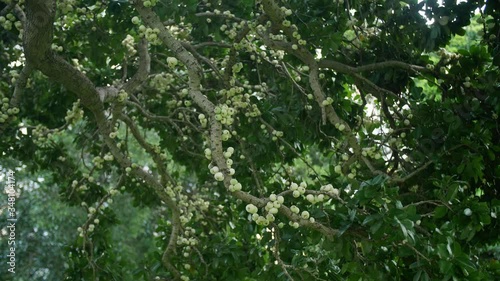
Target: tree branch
38, 37
211, 44
21, 82
343, 68
144, 67
166, 178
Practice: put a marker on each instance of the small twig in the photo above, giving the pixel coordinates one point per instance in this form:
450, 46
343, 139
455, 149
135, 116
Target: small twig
276, 253
418, 252
211, 44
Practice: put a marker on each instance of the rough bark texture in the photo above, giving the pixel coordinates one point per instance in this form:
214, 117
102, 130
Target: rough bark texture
40, 15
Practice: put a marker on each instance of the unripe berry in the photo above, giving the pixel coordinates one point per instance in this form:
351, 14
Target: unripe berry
335, 192
214, 170
338, 169
219, 176
270, 217
172, 62
305, 215
251, 208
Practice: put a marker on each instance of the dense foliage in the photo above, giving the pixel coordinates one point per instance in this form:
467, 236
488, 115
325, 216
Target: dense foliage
252, 140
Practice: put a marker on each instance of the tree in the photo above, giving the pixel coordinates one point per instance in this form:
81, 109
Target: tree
298, 140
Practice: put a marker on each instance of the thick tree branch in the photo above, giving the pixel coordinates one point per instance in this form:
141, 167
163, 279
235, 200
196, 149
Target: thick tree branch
144, 67
37, 41
37, 48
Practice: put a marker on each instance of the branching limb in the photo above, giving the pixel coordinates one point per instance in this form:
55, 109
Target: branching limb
412, 174
165, 176
195, 75
253, 169
293, 80
192, 49
372, 169
423, 167
346, 69
276, 253
38, 38
232, 53
309, 165
371, 87
144, 68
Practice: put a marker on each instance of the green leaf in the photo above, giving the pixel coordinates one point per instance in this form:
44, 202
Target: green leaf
344, 228
416, 277
443, 251
371, 218
465, 263
434, 32
370, 192
416, 265
375, 227
440, 212
445, 267
451, 193
474, 168
366, 247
